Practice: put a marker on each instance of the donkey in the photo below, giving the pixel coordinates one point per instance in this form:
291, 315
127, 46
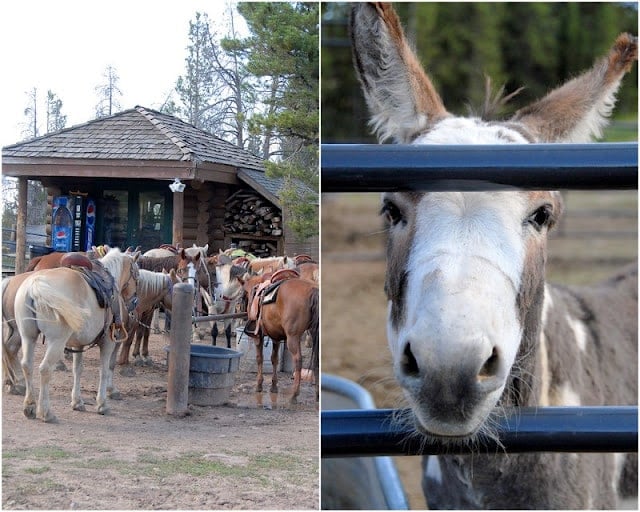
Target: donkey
472, 326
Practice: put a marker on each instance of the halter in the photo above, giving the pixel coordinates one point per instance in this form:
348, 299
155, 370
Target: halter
134, 274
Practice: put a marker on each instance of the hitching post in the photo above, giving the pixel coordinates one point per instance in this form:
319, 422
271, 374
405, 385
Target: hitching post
179, 350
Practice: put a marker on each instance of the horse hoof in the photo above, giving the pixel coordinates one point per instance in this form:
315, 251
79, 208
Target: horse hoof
147, 361
30, 412
61, 367
103, 409
17, 390
259, 388
294, 400
138, 362
127, 371
274, 389
114, 395
79, 407
50, 418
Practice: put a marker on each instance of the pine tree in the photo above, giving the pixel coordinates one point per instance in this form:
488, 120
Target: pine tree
31, 113
108, 93
283, 52
55, 119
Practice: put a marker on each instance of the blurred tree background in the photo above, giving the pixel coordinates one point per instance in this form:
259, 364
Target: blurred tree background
535, 45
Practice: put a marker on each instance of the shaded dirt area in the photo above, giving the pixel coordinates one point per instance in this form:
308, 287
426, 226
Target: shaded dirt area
599, 234
257, 452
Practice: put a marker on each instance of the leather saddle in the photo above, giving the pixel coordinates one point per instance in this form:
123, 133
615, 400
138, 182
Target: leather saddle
103, 285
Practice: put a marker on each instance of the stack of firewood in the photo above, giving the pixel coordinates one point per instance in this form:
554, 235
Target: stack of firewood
249, 213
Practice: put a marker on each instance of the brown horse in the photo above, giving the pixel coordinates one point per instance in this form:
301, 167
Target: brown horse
294, 311
51, 260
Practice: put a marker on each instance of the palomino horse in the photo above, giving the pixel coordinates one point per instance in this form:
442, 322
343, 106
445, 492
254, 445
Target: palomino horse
60, 304
154, 288
472, 326
294, 311
168, 250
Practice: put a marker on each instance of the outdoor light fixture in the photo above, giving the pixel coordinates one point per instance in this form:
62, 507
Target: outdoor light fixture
177, 185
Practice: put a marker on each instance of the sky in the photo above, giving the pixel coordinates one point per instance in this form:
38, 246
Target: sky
66, 45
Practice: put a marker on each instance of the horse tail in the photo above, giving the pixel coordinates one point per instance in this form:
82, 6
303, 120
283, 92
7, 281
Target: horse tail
50, 301
314, 330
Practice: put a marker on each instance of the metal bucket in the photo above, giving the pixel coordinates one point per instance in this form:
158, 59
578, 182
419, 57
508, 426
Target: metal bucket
211, 374
357, 483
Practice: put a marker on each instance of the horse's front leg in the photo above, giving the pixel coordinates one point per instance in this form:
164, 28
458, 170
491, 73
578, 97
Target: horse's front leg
259, 361
106, 349
123, 358
275, 349
227, 332
77, 404
53, 354
112, 391
147, 361
214, 332
139, 333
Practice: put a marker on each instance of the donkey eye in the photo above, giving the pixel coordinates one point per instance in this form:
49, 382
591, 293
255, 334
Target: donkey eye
541, 217
392, 213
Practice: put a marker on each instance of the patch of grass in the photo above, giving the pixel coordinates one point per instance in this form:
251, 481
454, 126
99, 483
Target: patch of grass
37, 470
278, 461
193, 464
51, 453
105, 463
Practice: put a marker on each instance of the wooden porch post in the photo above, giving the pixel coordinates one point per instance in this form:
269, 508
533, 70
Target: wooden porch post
21, 225
178, 218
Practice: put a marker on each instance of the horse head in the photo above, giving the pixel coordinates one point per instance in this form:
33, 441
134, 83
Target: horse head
465, 270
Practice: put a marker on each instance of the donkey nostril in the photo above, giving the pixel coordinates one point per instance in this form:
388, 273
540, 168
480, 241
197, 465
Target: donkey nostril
490, 367
408, 363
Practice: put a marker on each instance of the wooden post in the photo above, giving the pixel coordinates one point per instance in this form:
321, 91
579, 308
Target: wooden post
178, 218
21, 226
179, 351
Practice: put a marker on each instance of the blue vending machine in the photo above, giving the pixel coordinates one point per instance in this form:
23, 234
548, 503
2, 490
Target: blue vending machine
73, 223
62, 224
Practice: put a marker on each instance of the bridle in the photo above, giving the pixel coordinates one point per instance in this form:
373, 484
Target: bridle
134, 275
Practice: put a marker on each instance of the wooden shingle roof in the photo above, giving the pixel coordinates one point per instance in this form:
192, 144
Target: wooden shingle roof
136, 134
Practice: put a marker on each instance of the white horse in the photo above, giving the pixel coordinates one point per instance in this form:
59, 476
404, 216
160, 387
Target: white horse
472, 326
60, 304
227, 293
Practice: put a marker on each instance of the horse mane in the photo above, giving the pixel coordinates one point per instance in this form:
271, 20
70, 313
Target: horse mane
113, 261
151, 283
157, 264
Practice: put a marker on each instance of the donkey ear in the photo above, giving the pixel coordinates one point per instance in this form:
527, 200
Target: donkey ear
578, 110
400, 96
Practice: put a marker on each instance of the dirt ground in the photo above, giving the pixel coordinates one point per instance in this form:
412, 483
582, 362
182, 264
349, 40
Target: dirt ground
598, 235
257, 452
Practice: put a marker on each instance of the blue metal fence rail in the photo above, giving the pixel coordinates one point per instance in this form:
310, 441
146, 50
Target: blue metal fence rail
392, 167
379, 168
355, 433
